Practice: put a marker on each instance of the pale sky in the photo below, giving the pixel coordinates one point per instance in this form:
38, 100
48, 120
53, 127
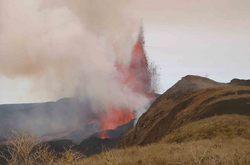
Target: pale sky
202, 37
207, 38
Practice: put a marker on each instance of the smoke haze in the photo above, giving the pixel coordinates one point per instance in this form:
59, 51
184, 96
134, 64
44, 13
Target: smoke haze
65, 46
69, 49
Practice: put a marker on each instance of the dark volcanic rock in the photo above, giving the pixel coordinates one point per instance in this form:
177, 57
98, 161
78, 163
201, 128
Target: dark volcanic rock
92, 145
59, 146
4, 152
95, 145
240, 82
118, 132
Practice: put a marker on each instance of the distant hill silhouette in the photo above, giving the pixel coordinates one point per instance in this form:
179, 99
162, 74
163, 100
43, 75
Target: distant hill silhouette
49, 120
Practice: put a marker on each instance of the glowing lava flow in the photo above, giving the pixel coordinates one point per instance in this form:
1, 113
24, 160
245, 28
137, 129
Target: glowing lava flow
114, 118
135, 76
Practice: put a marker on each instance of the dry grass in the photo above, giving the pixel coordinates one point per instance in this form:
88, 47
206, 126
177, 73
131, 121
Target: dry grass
167, 114
216, 140
27, 150
226, 126
210, 152
220, 140
24, 151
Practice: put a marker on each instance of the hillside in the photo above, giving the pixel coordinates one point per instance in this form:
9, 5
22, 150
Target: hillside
191, 99
223, 139
197, 121
49, 120
222, 127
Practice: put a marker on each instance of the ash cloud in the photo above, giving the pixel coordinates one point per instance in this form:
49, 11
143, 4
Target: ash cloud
70, 48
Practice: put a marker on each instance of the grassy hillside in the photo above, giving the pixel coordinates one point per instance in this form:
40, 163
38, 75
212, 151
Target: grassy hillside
202, 152
217, 140
191, 99
224, 127
197, 121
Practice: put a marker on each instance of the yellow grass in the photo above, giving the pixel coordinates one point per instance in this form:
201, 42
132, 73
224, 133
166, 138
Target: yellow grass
208, 152
26, 150
216, 151
225, 126
220, 140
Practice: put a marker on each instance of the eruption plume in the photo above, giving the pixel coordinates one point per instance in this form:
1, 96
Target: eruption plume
137, 77
85, 49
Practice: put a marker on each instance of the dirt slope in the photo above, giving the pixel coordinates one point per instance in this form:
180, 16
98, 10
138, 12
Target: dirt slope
191, 99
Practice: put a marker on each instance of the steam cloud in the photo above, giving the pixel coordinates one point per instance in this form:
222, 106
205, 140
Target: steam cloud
70, 48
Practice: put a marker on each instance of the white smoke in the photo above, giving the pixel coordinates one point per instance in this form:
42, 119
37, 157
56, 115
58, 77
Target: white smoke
70, 48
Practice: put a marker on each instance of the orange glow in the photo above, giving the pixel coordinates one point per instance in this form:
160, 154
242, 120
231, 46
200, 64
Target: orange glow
135, 76
115, 117
104, 135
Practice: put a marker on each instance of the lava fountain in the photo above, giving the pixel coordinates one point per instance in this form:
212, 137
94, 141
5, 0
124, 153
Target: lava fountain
137, 77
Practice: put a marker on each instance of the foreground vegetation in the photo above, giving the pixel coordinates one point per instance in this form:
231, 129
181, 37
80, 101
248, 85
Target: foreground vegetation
217, 151
223, 127
216, 140
27, 150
